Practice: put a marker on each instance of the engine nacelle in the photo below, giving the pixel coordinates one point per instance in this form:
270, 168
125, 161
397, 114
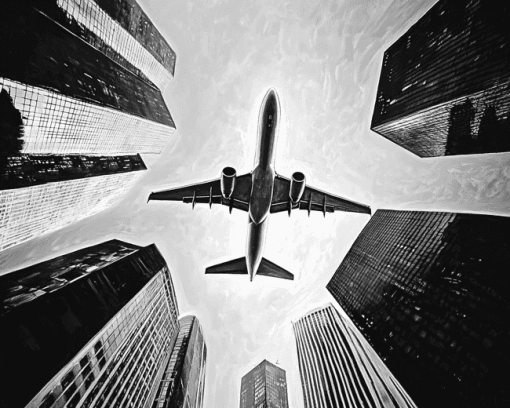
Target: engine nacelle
228, 181
297, 187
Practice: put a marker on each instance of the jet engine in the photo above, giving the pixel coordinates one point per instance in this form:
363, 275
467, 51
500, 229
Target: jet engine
228, 181
297, 187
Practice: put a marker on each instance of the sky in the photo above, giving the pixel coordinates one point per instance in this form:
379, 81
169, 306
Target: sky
324, 59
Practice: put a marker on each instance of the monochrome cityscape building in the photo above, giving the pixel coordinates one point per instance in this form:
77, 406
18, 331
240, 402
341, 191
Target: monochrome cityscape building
29, 212
339, 368
78, 79
92, 328
264, 387
444, 84
183, 382
29, 170
82, 78
428, 290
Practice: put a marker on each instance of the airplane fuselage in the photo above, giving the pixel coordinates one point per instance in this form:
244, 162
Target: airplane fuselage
262, 181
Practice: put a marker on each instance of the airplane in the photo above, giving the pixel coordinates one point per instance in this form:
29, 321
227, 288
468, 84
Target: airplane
260, 193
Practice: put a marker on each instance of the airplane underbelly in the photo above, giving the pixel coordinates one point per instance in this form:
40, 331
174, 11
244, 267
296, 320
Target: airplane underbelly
261, 196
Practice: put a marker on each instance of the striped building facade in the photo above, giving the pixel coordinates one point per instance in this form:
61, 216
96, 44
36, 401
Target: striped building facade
338, 367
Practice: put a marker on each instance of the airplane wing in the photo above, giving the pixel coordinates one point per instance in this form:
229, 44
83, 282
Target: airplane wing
210, 193
312, 200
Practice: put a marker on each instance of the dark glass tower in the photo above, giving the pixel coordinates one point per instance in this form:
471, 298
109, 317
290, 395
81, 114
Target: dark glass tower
338, 367
445, 84
30, 170
430, 292
182, 384
94, 327
264, 387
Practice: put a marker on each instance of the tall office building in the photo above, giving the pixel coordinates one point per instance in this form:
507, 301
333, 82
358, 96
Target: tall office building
77, 78
182, 384
264, 387
29, 212
444, 85
83, 75
93, 328
339, 368
429, 291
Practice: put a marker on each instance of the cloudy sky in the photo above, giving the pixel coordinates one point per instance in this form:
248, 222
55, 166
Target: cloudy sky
324, 59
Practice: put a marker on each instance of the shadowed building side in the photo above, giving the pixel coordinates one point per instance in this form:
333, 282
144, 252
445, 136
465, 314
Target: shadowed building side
429, 291
456, 52
133, 19
25, 170
92, 327
120, 30
338, 367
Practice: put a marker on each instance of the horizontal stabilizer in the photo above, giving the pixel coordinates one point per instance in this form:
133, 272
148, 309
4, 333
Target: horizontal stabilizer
268, 268
236, 267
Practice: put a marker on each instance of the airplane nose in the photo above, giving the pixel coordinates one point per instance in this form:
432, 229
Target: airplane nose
271, 94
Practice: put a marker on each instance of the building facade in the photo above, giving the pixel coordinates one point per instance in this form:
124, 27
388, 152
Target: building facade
428, 290
183, 382
444, 84
78, 79
338, 367
30, 170
82, 81
26, 213
264, 387
93, 328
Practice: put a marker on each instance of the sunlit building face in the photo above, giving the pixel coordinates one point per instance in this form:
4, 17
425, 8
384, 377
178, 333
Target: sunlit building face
338, 368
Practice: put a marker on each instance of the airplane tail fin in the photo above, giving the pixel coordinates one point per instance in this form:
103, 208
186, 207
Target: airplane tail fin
238, 267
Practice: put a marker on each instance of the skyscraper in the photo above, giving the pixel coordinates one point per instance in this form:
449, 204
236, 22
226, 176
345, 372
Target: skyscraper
91, 328
183, 381
338, 368
77, 78
444, 85
429, 292
264, 387
83, 76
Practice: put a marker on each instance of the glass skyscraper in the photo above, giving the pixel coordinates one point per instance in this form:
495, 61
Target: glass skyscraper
29, 170
429, 291
29, 212
93, 328
182, 384
445, 84
85, 76
339, 368
80, 83
264, 387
